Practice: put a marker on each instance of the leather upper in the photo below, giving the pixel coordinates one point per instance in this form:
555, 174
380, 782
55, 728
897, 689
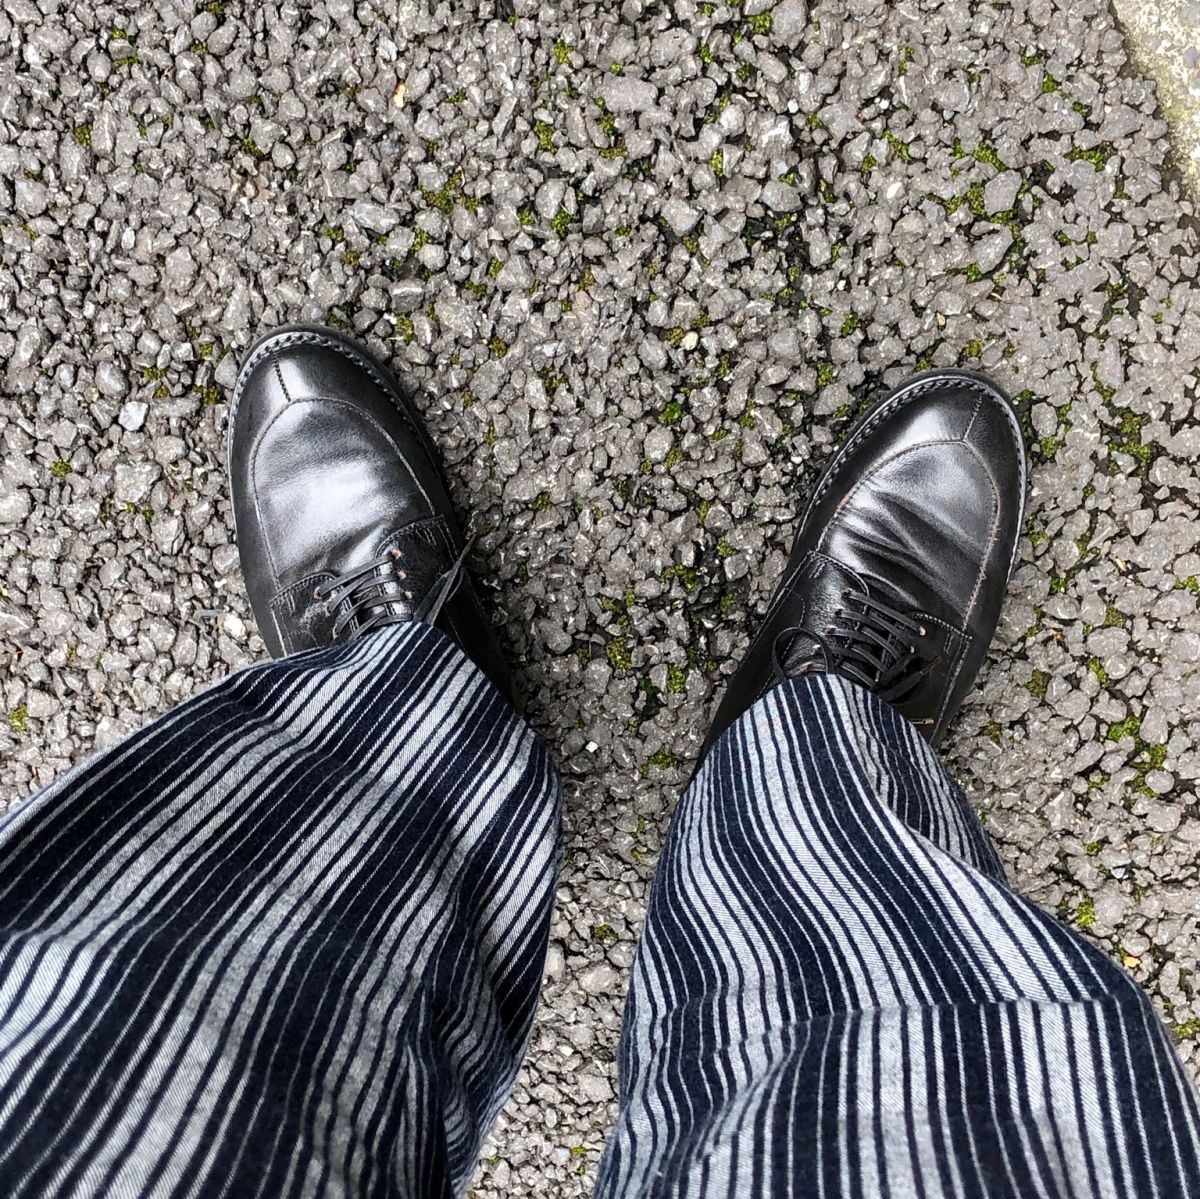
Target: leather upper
331, 470
920, 511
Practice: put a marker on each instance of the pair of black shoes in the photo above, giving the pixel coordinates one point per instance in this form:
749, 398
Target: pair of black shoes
895, 580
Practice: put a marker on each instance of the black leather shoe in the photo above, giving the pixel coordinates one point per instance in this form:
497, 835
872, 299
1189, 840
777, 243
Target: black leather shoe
342, 517
899, 569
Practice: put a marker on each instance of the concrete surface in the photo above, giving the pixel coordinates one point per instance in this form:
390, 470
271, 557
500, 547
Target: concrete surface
1165, 37
647, 262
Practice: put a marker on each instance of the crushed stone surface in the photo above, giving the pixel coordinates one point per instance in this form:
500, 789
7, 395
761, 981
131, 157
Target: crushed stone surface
647, 261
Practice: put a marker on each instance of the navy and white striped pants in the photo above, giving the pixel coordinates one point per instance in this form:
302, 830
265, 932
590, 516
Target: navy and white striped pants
287, 941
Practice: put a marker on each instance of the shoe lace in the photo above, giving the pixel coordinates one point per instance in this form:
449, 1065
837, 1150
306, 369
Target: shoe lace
374, 594
872, 643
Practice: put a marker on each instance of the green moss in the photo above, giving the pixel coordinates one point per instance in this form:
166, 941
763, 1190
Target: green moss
759, 24
525, 216
545, 136
973, 348
561, 222
1085, 912
1129, 440
992, 731
987, 154
1049, 84
604, 934
717, 162
898, 147
83, 135
444, 197
562, 52
352, 258
705, 54
1114, 618
672, 414
1098, 156
60, 468
406, 329
1097, 668
849, 324
1129, 727
1039, 681
618, 654
906, 56
542, 502
676, 680
826, 375
724, 549
663, 759
498, 347
18, 719
689, 576
869, 164
457, 97
1092, 848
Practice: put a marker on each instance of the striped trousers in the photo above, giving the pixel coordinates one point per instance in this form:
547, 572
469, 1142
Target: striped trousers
287, 941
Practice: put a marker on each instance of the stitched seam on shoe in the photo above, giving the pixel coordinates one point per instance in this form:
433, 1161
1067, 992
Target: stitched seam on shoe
876, 468
966, 642
307, 337
887, 407
253, 463
311, 337
279, 375
368, 417
994, 535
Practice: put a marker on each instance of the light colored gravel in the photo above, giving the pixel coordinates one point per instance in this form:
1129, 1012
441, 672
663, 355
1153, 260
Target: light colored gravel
642, 324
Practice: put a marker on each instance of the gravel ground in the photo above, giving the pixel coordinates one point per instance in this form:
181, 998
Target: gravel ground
1166, 44
647, 262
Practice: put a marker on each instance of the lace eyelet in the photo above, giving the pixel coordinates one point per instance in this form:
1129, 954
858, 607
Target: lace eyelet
921, 632
402, 574
317, 594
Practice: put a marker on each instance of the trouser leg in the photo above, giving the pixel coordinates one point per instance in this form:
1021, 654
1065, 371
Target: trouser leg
837, 993
286, 940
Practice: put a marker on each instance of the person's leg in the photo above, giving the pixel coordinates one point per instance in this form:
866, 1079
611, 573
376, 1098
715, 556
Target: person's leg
288, 939
836, 992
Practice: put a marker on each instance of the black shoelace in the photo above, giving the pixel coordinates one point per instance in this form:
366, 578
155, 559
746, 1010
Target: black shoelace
870, 642
375, 594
